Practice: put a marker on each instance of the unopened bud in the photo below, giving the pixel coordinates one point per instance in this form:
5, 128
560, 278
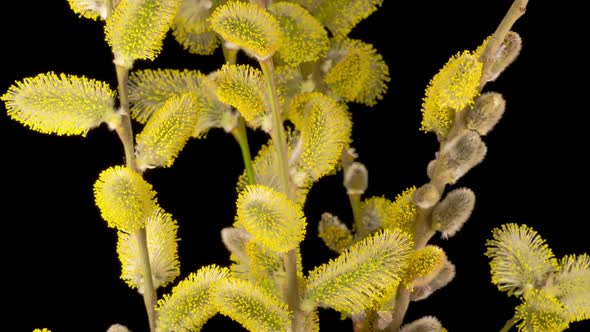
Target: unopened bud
462, 154
452, 212
424, 324
118, 328
235, 240
507, 53
487, 111
356, 179
430, 168
443, 278
426, 196
334, 233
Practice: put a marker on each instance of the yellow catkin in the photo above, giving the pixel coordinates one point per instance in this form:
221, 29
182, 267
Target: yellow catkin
325, 128
304, 37
424, 265
136, 29
361, 275
167, 132
251, 306
242, 87
340, 16
92, 9
357, 72
61, 104
404, 212
124, 198
571, 285
273, 220
191, 30
247, 26
541, 312
520, 258
454, 87
334, 233
190, 304
161, 232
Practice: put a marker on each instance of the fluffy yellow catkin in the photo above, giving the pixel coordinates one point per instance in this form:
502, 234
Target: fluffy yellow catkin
247, 26
61, 104
136, 29
541, 312
124, 198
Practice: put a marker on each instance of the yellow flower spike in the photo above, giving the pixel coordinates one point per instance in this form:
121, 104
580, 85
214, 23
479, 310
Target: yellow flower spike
251, 306
304, 37
190, 27
357, 72
190, 303
273, 220
92, 9
520, 259
162, 244
249, 27
265, 267
137, 28
149, 89
541, 312
62, 105
424, 324
361, 275
265, 165
340, 16
454, 87
242, 87
424, 265
325, 132
42, 330
166, 133
404, 212
334, 233
124, 198
571, 285
376, 212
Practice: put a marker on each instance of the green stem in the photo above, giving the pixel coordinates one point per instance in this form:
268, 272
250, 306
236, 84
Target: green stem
355, 204
509, 324
240, 134
125, 132
280, 143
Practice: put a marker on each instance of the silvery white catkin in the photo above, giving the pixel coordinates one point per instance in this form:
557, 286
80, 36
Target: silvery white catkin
443, 278
356, 179
486, 112
235, 240
453, 211
424, 324
426, 196
462, 154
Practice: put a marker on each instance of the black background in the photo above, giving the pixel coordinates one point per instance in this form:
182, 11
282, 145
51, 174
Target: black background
59, 261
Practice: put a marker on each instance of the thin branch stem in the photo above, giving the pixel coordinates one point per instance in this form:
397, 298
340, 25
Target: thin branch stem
423, 231
280, 143
125, 132
240, 134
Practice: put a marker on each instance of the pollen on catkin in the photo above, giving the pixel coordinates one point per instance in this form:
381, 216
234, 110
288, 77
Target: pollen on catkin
273, 220
361, 275
249, 27
61, 104
571, 285
161, 231
190, 303
403, 212
340, 16
334, 233
124, 198
167, 132
325, 128
136, 29
423, 266
451, 89
242, 87
357, 72
253, 307
541, 312
304, 37
520, 258
191, 29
